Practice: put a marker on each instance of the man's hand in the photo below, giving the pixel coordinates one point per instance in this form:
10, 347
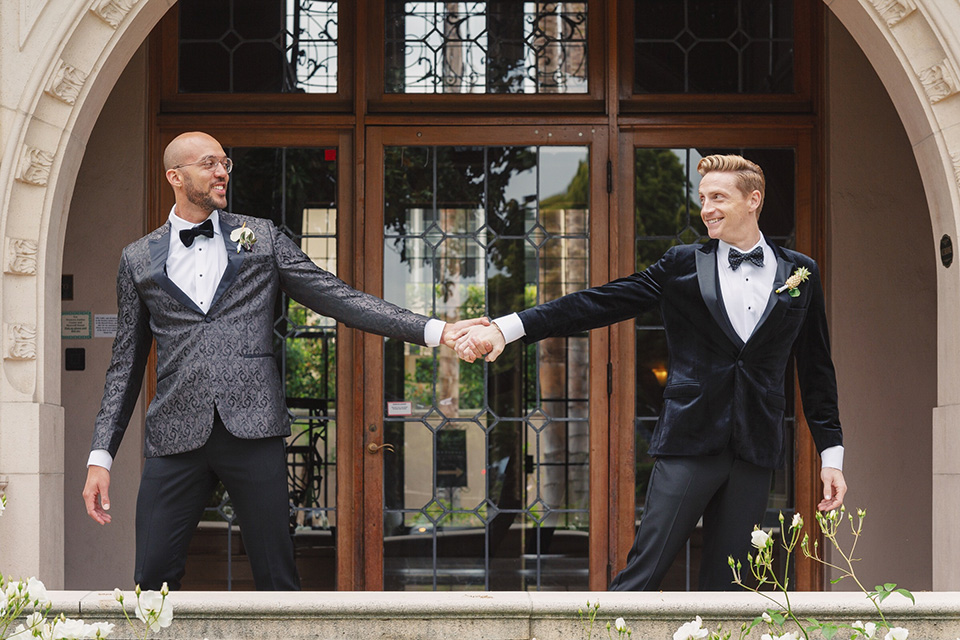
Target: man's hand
453, 330
834, 488
477, 342
95, 493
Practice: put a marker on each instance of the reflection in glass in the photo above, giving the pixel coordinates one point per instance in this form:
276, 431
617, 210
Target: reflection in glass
296, 188
268, 46
489, 485
667, 213
500, 46
713, 46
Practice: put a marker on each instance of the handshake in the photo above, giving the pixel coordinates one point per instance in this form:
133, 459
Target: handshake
474, 338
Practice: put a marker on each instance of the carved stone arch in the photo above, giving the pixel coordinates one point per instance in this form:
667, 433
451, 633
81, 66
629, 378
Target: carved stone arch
914, 47
83, 51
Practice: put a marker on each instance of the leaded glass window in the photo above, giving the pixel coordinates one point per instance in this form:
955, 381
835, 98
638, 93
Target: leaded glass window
494, 47
267, 46
487, 486
713, 46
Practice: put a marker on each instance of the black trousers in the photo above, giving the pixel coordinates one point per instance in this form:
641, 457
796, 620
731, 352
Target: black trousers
730, 494
175, 489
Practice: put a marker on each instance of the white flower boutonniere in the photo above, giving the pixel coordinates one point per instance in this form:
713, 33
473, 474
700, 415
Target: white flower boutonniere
244, 237
792, 285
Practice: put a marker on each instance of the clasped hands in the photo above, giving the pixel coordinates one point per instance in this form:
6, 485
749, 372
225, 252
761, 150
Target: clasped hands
475, 338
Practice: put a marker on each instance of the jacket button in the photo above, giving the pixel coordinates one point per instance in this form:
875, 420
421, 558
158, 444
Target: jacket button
207, 319
740, 363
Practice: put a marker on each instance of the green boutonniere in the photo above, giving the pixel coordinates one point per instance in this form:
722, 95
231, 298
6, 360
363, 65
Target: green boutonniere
792, 285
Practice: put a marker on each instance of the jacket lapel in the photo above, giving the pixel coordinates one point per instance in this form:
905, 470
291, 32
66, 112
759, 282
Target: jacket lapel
777, 303
159, 248
234, 259
710, 290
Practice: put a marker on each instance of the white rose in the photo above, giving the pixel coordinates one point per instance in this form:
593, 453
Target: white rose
760, 538
37, 591
153, 611
866, 630
797, 521
620, 624
691, 630
766, 617
897, 633
68, 629
103, 628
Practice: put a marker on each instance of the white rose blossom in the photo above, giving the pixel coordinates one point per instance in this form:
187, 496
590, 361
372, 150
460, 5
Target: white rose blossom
154, 611
766, 617
866, 630
797, 521
897, 633
620, 624
37, 592
760, 538
68, 628
691, 630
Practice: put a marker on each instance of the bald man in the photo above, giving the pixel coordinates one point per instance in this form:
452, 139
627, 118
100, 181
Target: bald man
204, 286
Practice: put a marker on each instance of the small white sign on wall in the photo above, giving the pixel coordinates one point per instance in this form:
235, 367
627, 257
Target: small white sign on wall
105, 325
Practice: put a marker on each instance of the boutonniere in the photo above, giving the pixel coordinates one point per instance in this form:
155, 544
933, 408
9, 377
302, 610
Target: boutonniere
243, 237
792, 285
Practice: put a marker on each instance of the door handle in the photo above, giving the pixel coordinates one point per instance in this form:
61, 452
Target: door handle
373, 447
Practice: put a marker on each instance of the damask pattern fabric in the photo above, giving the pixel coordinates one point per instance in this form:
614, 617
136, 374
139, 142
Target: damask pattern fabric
222, 359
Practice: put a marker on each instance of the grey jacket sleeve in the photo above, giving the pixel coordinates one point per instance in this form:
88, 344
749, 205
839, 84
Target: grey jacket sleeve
131, 347
326, 294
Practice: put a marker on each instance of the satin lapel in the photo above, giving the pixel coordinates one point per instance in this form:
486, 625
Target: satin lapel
777, 303
159, 248
710, 290
234, 260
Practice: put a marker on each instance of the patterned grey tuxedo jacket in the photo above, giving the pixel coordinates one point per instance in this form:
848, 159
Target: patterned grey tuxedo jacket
223, 359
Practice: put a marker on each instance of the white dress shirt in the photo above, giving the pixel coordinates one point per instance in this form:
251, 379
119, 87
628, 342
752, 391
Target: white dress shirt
197, 271
745, 294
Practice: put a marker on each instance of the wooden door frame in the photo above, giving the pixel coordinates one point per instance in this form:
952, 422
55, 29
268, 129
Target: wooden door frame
595, 137
799, 133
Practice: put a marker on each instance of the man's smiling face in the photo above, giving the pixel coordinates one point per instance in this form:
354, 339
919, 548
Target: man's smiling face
728, 213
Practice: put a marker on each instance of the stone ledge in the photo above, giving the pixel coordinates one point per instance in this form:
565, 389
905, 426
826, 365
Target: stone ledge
493, 615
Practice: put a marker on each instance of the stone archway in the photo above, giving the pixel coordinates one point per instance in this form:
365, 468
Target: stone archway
63, 59
913, 47
58, 62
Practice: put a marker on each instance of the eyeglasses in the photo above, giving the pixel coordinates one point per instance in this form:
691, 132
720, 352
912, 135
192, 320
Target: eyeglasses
210, 164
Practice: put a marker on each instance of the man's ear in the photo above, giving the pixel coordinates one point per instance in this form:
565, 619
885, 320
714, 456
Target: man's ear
173, 178
755, 199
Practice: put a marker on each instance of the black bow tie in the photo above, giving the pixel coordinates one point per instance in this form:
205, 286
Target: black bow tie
205, 228
736, 257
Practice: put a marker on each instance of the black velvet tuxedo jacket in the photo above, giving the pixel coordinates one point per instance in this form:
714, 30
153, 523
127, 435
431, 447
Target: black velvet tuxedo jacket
223, 358
720, 390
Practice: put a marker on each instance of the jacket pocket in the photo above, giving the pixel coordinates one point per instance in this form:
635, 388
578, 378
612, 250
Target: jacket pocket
776, 400
682, 390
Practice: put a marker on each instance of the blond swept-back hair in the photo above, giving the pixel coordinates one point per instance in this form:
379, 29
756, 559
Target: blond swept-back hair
749, 174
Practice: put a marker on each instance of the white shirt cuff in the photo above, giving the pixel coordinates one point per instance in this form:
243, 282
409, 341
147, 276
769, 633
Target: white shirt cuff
832, 457
511, 327
100, 458
433, 332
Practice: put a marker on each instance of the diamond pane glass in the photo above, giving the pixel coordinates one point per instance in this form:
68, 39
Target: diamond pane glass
268, 46
494, 47
509, 461
713, 46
